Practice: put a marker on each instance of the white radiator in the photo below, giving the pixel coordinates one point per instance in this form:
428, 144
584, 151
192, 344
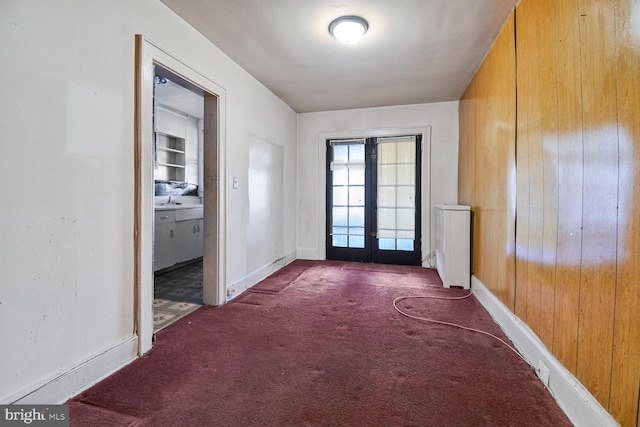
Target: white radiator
453, 245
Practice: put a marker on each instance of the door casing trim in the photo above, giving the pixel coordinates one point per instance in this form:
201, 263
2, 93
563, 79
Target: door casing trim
149, 54
426, 235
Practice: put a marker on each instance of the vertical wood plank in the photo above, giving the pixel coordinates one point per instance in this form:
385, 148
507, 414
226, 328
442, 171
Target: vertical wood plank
570, 183
480, 251
465, 153
534, 100
522, 160
491, 155
600, 197
503, 217
510, 219
137, 182
508, 101
625, 378
549, 131
487, 156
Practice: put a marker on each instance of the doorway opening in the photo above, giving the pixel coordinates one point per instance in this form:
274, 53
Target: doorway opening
178, 243
373, 199
178, 168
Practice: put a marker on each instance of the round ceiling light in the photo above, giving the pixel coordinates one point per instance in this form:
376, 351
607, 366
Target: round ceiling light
348, 29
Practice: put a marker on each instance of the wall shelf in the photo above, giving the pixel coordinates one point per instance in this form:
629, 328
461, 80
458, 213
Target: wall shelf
171, 165
170, 157
171, 150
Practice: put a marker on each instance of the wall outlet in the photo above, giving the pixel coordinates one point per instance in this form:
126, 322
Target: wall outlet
543, 373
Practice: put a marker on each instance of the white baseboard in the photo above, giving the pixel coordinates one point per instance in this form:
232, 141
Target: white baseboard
244, 283
60, 388
572, 397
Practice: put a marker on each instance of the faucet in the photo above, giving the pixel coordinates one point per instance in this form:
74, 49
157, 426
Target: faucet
169, 201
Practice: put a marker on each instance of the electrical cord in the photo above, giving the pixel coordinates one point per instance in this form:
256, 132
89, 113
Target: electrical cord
440, 322
430, 259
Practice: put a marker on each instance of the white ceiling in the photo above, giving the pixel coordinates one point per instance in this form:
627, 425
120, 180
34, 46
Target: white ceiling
416, 51
175, 96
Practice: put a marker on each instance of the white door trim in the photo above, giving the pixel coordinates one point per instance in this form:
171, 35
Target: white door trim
149, 54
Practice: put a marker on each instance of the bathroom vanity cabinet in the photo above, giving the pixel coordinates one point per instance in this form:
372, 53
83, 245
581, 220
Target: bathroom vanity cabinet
179, 236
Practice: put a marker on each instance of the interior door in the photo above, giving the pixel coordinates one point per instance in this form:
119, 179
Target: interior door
373, 200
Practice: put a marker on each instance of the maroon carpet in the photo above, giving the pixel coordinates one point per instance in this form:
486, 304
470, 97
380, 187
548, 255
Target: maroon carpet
320, 344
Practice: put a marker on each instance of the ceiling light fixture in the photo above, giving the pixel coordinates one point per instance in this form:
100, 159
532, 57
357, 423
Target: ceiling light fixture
348, 29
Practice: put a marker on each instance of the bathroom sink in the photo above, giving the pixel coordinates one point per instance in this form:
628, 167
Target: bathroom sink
175, 207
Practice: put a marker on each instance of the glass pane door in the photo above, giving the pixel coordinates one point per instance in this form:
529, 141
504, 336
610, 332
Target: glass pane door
396, 227
346, 190
373, 200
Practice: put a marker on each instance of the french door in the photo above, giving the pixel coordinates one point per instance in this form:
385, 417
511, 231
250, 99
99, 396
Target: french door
373, 200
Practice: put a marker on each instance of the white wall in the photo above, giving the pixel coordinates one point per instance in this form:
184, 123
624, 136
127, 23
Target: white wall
441, 118
66, 120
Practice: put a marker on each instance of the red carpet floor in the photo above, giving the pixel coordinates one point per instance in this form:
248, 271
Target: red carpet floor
320, 344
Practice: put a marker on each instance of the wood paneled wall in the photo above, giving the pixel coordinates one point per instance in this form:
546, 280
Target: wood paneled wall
575, 142
487, 170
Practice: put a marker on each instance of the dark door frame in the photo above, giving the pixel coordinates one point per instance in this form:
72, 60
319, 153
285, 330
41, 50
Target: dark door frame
371, 251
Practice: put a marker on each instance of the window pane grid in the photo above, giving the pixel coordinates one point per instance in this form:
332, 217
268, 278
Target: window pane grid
396, 194
348, 174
